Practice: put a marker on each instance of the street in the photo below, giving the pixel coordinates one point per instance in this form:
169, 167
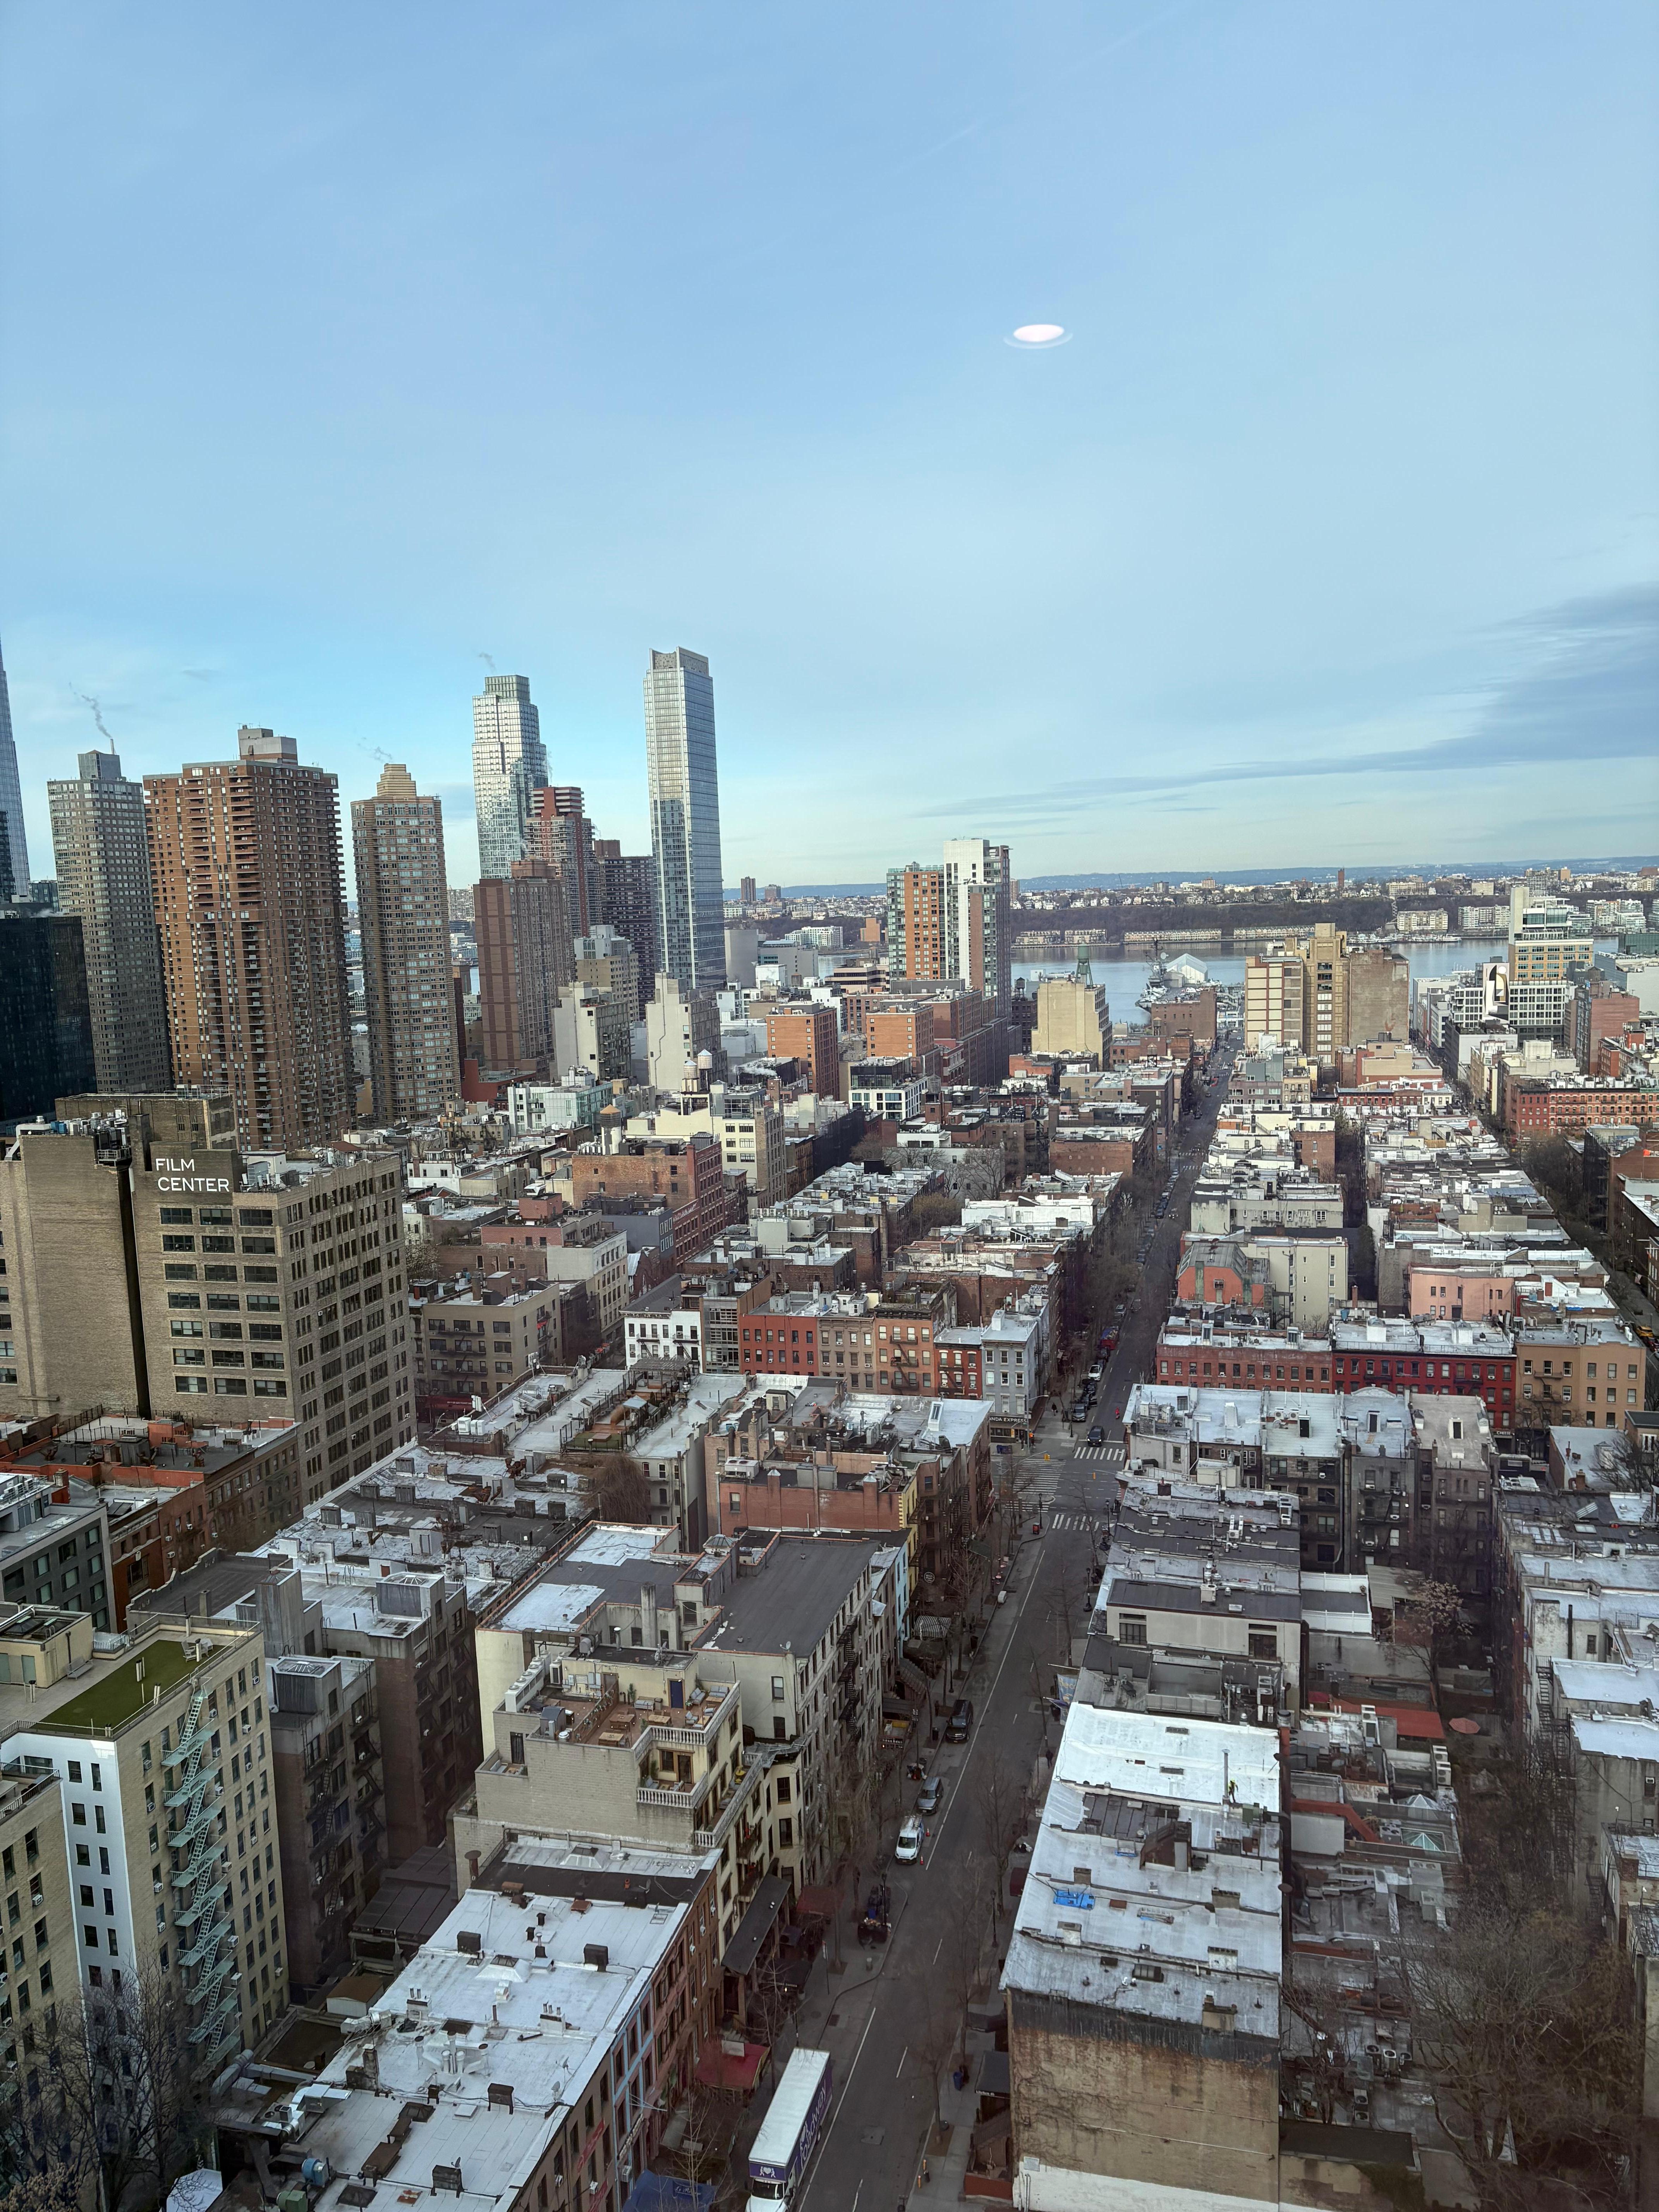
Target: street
886, 2017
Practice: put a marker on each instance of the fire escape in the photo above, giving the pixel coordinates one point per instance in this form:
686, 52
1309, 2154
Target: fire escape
200, 1865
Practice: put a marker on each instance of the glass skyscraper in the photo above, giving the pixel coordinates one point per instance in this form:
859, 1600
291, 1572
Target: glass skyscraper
11, 797
509, 767
686, 819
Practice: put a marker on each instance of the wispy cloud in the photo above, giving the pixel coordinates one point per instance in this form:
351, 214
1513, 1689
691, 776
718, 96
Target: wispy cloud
1591, 693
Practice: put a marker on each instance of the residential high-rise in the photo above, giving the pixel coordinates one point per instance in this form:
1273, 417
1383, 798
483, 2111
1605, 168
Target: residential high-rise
524, 956
746, 891
626, 895
171, 1837
98, 843
951, 923
244, 858
686, 819
561, 834
11, 796
402, 912
978, 939
46, 1028
509, 767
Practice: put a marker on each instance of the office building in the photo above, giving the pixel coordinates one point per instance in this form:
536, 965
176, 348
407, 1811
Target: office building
524, 959
626, 901
244, 862
162, 1759
11, 800
683, 786
46, 1021
403, 914
102, 858
203, 1282
509, 768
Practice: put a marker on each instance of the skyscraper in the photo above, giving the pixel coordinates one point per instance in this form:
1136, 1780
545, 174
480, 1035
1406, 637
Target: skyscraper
951, 923
11, 796
98, 843
402, 912
509, 767
625, 885
562, 835
525, 956
245, 858
46, 1035
686, 819
979, 943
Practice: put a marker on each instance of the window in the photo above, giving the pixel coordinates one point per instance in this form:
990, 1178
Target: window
1131, 1628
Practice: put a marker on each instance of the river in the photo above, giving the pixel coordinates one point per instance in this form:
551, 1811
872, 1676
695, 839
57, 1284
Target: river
1125, 979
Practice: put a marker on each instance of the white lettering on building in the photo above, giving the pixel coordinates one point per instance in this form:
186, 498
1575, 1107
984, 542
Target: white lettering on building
180, 1175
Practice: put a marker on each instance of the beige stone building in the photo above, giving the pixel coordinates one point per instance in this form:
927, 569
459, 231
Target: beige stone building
1071, 1018
34, 1880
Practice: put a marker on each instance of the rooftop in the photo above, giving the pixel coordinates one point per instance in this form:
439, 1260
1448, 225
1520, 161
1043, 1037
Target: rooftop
116, 1690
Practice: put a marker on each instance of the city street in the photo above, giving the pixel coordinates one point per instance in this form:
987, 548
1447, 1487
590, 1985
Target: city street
885, 2016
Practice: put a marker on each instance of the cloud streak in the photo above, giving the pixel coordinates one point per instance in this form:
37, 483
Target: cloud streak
1591, 694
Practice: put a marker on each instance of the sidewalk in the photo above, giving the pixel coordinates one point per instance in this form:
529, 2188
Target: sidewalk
956, 2106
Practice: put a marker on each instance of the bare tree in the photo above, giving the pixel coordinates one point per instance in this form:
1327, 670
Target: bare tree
1523, 2021
123, 2072
999, 1802
620, 1490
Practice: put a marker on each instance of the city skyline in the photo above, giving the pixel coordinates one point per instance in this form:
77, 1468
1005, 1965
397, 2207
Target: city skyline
1314, 528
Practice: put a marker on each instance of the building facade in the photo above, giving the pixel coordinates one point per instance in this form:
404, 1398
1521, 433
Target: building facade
244, 859
102, 859
683, 785
403, 914
509, 768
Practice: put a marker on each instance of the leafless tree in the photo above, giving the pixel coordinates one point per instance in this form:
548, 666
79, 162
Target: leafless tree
1524, 2023
999, 1803
124, 2071
620, 1490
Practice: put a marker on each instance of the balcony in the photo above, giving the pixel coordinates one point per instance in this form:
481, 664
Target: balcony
706, 1840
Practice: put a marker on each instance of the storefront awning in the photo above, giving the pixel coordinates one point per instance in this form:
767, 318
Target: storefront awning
737, 2069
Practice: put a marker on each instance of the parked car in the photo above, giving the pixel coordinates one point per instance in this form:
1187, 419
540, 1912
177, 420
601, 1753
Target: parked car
908, 1850
1095, 1372
930, 1796
961, 1720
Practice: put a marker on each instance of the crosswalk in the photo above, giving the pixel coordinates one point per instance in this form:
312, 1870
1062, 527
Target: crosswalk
1071, 1521
1102, 1455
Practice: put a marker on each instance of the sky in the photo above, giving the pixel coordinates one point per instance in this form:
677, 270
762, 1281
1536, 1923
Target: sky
344, 351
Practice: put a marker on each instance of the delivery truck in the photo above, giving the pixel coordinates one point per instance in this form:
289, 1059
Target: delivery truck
789, 2132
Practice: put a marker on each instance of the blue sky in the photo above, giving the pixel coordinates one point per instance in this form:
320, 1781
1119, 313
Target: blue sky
342, 346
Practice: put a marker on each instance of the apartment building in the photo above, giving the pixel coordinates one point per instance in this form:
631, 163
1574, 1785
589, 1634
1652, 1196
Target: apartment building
1073, 1021
592, 2013
402, 916
688, 1172
526, 960
162, 1756
807, 1033
740, 1688
479, 1339
1144, 1972
40, 1922
331, 1807
1577, 1373
244, 862
593, 1035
